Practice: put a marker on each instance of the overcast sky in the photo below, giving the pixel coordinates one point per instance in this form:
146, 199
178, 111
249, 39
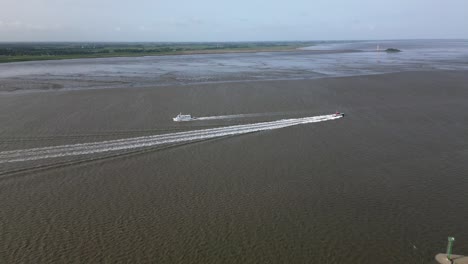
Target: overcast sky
233, 20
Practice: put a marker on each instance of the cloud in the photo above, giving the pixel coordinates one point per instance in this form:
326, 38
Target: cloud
144, 28
197, 21
117, 29
188, 22
35, 27
19, 25
13, 24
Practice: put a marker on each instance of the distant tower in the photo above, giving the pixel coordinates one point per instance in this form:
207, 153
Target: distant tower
378, 48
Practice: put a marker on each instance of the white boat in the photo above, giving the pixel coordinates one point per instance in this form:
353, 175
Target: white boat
180, 117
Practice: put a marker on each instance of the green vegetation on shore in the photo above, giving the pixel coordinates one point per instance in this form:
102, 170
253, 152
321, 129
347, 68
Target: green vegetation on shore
15, 52
392, 50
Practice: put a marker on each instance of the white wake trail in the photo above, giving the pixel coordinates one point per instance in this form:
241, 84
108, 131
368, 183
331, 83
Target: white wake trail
227, 116
149, 141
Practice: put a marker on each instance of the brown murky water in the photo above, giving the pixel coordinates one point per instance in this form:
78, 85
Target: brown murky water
386, 184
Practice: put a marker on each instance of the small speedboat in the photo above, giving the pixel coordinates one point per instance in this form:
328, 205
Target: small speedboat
338, 114
180, 118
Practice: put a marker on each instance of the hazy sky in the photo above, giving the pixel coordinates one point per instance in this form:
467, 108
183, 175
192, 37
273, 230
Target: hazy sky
233, 20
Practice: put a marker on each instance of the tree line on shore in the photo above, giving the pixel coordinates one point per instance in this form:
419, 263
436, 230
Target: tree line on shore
69, 49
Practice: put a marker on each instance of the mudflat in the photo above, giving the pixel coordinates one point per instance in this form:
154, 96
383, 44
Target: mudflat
386, 183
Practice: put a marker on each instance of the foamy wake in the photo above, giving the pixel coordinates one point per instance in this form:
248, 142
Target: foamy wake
227, 116
150, 141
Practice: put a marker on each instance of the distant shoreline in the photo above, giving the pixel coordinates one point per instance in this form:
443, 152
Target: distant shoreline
64, 52
194, 52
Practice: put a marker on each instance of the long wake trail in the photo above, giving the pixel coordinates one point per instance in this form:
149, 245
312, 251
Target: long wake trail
151, 141
227, 116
